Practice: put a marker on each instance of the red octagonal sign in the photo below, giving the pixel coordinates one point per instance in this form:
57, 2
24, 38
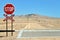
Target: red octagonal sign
9, 9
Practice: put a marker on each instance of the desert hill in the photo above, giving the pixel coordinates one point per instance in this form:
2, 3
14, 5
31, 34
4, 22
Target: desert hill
33, 21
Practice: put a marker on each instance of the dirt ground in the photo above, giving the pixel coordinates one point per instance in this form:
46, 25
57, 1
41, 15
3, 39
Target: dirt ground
30, 24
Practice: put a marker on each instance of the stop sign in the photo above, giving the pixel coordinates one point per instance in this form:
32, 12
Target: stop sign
9, 9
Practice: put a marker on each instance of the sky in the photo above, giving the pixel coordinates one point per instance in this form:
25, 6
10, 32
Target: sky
49, 8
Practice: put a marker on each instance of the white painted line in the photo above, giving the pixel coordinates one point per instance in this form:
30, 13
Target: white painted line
36, 30
20, 34
42, 37
41, 30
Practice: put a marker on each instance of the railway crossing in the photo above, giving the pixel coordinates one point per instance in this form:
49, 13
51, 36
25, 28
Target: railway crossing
9, 9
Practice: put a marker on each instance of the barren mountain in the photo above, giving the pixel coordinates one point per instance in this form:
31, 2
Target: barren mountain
30, 22
33, 21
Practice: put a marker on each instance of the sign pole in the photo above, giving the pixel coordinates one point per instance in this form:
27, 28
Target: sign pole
11, 26
9, 9
6, 27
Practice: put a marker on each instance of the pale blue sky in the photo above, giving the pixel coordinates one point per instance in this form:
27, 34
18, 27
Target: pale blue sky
43, 7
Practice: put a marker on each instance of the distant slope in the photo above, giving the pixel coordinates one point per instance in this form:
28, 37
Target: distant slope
33, 21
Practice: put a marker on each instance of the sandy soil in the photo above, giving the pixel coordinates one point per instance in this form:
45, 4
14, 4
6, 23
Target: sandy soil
30, 23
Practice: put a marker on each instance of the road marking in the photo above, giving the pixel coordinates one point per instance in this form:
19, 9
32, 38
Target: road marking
20, 34
26, 33
36, 30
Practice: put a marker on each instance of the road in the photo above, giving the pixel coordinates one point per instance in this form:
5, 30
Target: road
40, 33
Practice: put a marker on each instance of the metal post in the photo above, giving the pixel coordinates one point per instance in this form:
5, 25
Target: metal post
6, 27
11, 26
